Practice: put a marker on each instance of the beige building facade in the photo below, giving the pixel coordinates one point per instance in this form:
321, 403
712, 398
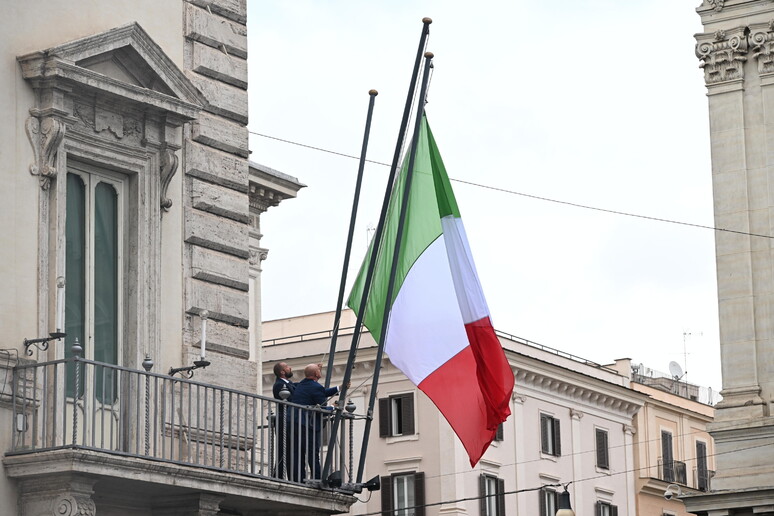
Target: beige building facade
673, 449
131, 223
571, 423
734, 49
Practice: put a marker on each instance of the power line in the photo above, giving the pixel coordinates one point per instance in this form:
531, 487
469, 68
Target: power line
530, 196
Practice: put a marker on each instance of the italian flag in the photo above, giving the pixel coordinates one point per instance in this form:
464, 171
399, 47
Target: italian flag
439, 332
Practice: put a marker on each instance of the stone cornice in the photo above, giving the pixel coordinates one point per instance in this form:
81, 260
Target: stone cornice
581, 393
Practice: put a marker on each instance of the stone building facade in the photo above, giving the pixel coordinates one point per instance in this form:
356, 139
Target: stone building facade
571, 423
130, 216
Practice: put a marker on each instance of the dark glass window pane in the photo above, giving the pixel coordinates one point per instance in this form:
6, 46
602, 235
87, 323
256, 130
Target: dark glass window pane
105, 280
75, 269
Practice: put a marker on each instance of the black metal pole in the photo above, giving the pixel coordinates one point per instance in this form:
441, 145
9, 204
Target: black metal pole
375, 247
348, 250
394, 265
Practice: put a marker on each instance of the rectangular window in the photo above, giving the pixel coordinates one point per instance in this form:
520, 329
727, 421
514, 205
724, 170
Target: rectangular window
667, 458
499, 435
702, 473
603, 456
550, 436
548, 501
396, 415
491, 491
403, 494
93, 271
606, 509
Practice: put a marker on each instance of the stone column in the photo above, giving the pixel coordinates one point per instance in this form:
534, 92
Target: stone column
736, 55
577, 457
257, 256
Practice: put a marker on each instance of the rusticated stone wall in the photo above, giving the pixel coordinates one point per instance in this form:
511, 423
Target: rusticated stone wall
216, 184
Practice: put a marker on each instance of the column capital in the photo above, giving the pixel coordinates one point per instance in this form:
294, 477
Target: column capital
576, 415
629, 429
722, 54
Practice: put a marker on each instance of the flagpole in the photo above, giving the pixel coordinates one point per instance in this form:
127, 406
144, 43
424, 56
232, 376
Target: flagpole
375, 251
348, 249
394, 265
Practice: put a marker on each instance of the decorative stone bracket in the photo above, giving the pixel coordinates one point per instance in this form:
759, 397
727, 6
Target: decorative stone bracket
45, 135
169, 163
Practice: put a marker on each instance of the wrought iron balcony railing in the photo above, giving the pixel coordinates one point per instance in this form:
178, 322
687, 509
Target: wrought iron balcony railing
78, 403
673, 471
702, 478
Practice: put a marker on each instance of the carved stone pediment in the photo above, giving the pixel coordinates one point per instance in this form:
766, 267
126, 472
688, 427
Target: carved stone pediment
123, 62
116, 88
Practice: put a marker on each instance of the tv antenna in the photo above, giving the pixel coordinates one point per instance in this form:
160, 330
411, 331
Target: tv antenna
686, 334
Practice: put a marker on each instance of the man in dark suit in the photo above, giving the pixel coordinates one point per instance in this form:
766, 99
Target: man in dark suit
310, 392
284, 424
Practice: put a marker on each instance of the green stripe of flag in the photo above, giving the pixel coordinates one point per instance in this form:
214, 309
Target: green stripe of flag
422, 227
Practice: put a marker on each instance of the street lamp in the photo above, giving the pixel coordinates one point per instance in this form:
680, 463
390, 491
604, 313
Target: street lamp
564, 504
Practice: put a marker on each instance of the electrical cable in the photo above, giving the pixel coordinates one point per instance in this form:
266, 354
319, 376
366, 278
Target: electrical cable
531, 196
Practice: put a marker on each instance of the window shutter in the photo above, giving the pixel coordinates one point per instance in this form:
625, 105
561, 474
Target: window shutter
499, 434
701, 466
482, 494
543, 507
544, 431
666, 456
557, 439
384, 417
500, 497
407, 413
598, 509
419, 494
602, 450
613, 510
386, 490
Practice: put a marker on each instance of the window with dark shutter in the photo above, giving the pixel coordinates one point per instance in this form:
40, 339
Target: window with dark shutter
386, 494
407, 416
419, 494
550, 442
702, 473
603, 460
548, 502
667, 459
483, 505
499, 434
500, 497
605, 509
384, 417
396, 415
546, 429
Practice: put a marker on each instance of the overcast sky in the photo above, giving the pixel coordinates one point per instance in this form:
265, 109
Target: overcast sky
599, 103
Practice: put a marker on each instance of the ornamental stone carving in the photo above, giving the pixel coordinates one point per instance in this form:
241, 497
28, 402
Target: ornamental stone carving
723, 55
717, 5
762, 41
74, 505
45, 135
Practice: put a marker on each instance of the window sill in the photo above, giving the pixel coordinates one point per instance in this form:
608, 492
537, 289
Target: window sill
548, 456
402, 438
603, 471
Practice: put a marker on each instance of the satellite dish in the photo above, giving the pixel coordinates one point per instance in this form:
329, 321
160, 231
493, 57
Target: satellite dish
675, 370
